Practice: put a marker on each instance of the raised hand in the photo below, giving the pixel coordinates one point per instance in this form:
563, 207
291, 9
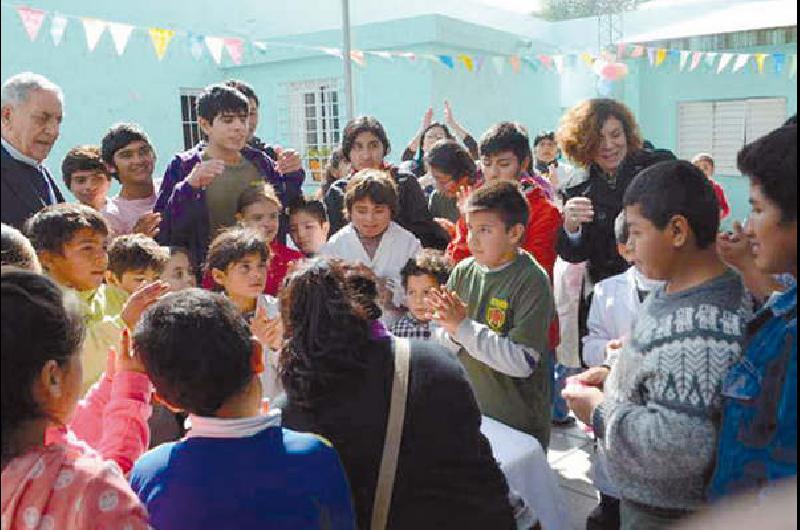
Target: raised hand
148, 224
141, 300
577, 210
288, 161
204, 173
447, 309
268, 331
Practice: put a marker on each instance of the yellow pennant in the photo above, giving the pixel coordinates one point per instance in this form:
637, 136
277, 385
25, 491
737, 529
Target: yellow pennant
661, 54
469, 64
760, 60
587, 59
161, 38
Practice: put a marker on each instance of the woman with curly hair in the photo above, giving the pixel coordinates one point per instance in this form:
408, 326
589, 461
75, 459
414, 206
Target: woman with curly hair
338, 375
601, 135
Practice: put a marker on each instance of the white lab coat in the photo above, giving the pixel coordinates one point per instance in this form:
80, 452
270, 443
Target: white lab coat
397, 246
613, 311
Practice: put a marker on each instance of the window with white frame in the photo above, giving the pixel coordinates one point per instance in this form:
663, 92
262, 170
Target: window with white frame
191, 130
723, 127
311, 119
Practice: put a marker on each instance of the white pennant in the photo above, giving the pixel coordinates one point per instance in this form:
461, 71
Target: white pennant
499, 62
741, 61
120, 33
684, 58
558, 60
94, 29
215, 45
724, 60
57, 27
260, 46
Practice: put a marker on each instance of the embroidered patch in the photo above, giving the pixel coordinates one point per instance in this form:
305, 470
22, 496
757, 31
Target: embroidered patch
496, 314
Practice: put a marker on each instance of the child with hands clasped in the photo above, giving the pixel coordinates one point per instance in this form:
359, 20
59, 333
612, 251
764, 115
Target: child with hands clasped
497, 307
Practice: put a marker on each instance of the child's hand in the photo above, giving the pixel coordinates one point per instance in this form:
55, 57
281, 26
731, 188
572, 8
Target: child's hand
734, 248
462, 196
583, 400
447, 309
204, 173
148, 224
288, 161
595, 377
268, 331
141, 300
124, 359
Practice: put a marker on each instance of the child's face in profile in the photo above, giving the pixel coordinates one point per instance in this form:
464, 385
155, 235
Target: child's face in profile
263, 216
492, 244
308, 233
82, 263
652, 248
133, 280
706, 166
417, 289
178, 273
370, 219
244, 279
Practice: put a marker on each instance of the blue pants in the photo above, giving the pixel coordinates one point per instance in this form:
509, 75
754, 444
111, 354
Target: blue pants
560, 375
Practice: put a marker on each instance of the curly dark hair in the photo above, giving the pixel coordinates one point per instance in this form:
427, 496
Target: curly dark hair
40, 323
373, 184
327, 333
54, 226
17, 251
428, 263
136, 252
451, 158
234, 244
360, 125
579, 132
507, 136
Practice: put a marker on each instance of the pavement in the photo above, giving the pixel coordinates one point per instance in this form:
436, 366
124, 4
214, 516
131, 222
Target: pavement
568, 455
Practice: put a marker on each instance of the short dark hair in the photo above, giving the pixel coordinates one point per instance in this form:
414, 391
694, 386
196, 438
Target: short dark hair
375, 185
218, 99
82, 158
771, 162
40, 322
196, 349
677, 187
621, 231
360, 125
314, 208
233, 245
506, 136
54, 226
544, 135
17, 251
136, 252
503, 198
450, 157
119, 136
427, 263
245, 88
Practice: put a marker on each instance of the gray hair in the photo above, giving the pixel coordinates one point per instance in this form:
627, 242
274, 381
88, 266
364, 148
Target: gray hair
16, 89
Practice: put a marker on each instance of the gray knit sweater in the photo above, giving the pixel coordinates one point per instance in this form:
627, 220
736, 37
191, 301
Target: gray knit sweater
663, 392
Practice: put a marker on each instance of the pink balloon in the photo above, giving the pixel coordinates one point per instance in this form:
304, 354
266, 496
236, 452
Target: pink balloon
622, 70
609, 72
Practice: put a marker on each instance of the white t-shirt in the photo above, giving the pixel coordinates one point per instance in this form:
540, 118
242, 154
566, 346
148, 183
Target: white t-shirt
122, 214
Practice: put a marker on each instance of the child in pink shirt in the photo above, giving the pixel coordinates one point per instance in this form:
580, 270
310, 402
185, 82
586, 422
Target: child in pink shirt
51, 478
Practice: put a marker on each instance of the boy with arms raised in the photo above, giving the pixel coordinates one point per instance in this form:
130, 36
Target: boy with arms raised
498, 306
655, 417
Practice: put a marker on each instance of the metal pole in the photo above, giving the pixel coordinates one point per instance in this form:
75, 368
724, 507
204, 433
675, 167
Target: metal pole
348, 71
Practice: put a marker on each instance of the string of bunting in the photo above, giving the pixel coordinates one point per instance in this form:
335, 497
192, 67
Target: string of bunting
609, 67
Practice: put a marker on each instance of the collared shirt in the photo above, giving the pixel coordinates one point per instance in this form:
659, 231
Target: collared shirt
18, 156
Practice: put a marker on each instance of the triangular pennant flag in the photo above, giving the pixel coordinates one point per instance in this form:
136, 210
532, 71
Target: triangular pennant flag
235, 49
260, 46
469, 64
696, 58
724, 60
196, 45
571, 61
793, 67
546, 60
684, 58
384, 55
358, 57
160, 38
410, 56
516, 63
558, 61
31, 20
120, 33
499, 63
651, 56
447, 60
779, 60
215, 45
431, 57
741, 61
57, 28
94, 29
711, 58
621, 49
587, 59
637, 52
479, 61
761, 58
608, 56
661, 54
674, 54
532, 62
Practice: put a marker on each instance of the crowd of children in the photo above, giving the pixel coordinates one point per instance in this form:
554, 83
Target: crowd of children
267, 397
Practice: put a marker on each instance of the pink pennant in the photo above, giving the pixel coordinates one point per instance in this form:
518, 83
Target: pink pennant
516, 63
357, 56
621, 48
32, 20
696, 58
637, 52
546, 60
235, 49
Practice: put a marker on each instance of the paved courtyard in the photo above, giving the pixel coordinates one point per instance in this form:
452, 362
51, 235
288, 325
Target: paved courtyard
569, 453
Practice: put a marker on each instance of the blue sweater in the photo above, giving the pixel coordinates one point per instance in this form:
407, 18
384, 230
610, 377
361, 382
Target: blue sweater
277, 479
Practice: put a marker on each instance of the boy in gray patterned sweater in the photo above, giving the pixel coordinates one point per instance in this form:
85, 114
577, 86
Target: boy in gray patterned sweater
656, 415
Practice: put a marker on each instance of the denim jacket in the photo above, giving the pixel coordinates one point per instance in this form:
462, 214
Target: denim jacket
758, 436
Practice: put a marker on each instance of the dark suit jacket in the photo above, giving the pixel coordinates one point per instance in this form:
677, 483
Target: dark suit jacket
18, 195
